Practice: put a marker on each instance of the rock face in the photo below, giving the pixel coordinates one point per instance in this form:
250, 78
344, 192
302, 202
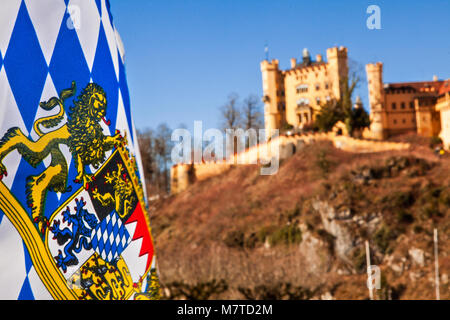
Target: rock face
337, 224
316, 250
395, 263
417, 256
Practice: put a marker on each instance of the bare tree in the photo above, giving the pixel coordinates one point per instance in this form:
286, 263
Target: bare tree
251, 113
230, 113
155, 148
163, 148
252, 117
149, 158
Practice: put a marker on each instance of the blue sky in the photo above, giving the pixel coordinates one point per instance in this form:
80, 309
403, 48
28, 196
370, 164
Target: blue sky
184, 57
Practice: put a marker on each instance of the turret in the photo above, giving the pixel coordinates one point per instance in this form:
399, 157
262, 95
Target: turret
272, 97
337, 68
376, 100
358, 103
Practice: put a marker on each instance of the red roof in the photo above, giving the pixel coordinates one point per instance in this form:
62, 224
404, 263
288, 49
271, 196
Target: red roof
418, 86
440, 86
445, 87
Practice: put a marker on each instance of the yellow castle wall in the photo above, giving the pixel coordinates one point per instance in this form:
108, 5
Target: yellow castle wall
400, 114
180, 180
394, 110
443, 106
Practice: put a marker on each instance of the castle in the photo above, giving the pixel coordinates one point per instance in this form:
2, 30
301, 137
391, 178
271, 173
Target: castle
293, 97
422, 107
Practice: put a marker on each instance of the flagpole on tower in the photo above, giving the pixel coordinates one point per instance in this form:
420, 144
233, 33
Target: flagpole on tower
266, 50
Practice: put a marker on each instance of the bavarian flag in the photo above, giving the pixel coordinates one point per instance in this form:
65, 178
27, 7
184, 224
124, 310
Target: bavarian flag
73, 219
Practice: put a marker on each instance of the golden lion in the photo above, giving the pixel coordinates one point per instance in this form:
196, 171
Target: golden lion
83, 135
123, 192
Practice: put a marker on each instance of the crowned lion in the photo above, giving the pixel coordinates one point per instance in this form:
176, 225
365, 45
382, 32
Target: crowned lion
81, 132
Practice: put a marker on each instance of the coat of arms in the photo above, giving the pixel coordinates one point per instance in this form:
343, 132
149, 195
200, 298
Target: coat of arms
97, 244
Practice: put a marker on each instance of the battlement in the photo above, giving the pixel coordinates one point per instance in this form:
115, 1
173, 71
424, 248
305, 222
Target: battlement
336, 52
374, 66
270, 65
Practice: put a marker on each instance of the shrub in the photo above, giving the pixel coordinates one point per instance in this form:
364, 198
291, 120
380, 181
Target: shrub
430, 210
444, 197
292, 213
430, 199
289, 234
264, 233
383, 237
234, 239
323, 163
417, 229
435, 141
279, 291
404, 217
329, 114
359, 260
401, 199
197, 291
251, 241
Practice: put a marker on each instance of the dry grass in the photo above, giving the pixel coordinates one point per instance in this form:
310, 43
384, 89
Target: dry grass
190, 229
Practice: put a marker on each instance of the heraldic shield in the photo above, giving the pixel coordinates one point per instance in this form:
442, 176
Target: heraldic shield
97, 244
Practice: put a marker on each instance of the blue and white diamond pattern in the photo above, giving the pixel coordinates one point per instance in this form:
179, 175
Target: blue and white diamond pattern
110, 237
40, 56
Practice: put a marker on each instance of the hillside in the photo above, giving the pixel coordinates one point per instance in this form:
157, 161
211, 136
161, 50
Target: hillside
300, 234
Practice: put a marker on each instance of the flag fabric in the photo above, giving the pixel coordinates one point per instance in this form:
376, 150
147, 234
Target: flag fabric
73, 218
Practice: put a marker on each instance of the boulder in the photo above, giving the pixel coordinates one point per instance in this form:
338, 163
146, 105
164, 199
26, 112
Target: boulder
417, 256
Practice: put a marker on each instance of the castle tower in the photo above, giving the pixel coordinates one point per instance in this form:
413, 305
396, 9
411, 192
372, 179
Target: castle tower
337, 68
358, 103
273, 96
306, 56
376, 100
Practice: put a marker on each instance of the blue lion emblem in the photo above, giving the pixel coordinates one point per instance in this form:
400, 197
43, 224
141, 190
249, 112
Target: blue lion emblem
76, 238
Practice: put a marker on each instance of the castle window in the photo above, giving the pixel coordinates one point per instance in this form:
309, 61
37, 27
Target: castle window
395, 121
317, 87
411, 105
302, 88
318, 100
299, 118
402, 105
302, 102
394, 106
404, 120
